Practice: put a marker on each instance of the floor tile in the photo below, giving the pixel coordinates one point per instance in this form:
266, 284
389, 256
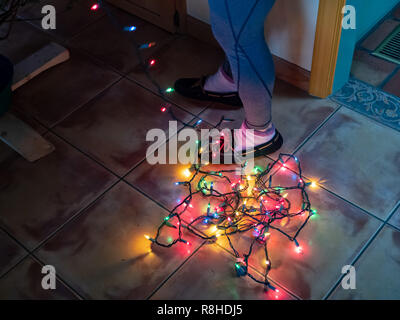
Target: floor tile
37, 198
24, 283
371, 69
218, 267
377, 270
295, 114
330, 240
103, 254
69, 21
10, 252
59, 91
395, 220
118, 121
184, 57
121, 55
380, 34
23, 41
357, 159
393, 85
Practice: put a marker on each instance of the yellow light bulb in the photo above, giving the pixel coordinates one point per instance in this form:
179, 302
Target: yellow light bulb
313, 184
186, 173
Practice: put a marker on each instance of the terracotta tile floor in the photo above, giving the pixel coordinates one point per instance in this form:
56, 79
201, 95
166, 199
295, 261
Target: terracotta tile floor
84, 208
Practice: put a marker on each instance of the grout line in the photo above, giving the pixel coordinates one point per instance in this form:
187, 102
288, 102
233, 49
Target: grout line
175, 271
351, 203
388, 78
146, 195
312, 134
60, 279
87, 155
25, 255
392, 212
288, 291
78, 214
363, 249
108, 87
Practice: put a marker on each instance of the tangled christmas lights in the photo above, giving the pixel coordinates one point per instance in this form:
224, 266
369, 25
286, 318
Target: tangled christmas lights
252, 204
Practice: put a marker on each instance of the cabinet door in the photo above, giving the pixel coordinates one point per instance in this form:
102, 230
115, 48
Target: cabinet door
167, 14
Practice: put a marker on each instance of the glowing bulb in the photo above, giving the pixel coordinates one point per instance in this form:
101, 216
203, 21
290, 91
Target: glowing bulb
147, 237
130, 28
163, 109
169, 90
298, 249
313, 184
94, 7
152, 62
186, 173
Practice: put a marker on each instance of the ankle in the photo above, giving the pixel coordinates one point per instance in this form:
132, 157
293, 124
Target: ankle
265, 129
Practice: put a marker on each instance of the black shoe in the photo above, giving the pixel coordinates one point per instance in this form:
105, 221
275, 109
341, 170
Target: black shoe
194, 88
261, 150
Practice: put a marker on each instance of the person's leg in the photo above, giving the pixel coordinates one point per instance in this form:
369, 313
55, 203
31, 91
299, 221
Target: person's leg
238, 25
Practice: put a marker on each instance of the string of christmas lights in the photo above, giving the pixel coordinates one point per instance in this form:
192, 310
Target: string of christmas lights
249, 204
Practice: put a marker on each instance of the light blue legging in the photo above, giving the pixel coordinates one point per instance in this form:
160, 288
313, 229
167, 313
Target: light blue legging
238, 26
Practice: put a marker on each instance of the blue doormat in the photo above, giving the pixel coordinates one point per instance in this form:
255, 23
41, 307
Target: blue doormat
371, 102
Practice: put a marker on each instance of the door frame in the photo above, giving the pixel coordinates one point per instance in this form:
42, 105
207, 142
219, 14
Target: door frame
326, 47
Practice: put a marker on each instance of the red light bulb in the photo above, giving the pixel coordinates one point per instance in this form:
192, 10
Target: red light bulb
94, 7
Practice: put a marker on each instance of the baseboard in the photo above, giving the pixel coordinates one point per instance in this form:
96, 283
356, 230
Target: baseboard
285, 70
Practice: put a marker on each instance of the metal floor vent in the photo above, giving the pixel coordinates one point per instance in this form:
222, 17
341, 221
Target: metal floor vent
389, 49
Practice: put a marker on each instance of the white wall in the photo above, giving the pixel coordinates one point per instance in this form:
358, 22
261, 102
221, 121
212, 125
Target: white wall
290, 28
